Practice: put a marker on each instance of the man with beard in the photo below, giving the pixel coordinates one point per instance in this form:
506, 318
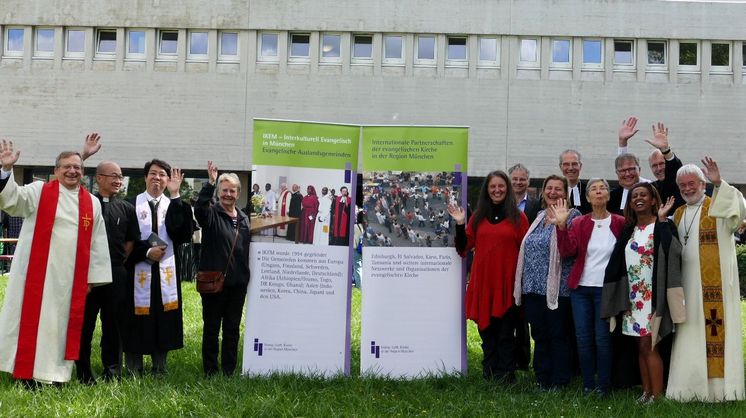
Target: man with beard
707, 356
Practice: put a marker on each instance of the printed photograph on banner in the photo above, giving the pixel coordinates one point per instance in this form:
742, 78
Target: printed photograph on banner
300, 205
408, 209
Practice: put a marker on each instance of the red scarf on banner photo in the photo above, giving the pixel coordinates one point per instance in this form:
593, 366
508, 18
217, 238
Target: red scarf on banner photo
37, 273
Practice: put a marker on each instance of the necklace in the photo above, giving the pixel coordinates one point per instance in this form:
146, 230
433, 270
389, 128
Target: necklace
689, 228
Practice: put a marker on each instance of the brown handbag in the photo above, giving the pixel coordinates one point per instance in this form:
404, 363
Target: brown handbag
209, 282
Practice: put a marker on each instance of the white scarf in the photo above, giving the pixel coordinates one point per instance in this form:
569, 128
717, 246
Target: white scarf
167, 265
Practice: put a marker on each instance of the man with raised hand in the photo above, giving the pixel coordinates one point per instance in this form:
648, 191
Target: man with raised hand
154, 323
122, 231
62, 252
663, 162
707, 356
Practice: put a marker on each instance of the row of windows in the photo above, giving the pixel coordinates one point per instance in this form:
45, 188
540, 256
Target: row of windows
75, 43
362, 48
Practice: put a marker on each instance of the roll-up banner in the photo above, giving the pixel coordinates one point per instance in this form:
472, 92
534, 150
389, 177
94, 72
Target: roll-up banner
298, 308
413, 280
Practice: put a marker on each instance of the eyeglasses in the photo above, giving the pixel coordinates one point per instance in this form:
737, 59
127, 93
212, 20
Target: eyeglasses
627, 170
113, 176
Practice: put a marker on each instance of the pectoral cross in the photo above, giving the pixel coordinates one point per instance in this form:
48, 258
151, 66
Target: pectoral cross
86, 221
141, 278
169, 275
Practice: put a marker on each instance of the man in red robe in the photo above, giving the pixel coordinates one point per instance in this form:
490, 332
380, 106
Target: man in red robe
340, 222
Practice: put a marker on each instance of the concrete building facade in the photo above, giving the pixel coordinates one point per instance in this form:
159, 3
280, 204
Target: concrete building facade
182, 79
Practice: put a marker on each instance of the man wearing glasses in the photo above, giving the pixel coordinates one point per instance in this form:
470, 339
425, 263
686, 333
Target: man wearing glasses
122, 231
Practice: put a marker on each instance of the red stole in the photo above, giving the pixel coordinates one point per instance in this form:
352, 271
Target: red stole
37, 273
341, 218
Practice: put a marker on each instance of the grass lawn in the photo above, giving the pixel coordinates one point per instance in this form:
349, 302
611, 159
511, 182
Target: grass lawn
185, 392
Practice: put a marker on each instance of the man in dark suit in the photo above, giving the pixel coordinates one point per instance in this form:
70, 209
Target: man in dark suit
571, 165
519, 179
663, 162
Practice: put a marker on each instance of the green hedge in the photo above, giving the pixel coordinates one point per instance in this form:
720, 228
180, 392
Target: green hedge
741, 256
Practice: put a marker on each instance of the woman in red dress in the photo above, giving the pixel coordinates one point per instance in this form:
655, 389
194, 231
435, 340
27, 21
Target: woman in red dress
494, 232
309, 210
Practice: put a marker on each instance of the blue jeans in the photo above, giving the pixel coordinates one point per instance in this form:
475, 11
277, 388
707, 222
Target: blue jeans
594, 338
551, 340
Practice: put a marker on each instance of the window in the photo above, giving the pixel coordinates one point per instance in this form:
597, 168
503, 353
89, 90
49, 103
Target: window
44, 46
457, 50
656, 53
624, 53
488, 52
198, 45
561, 53
14, 42
393, 49
425, 50
331, 45
689, 56
228, 46
593, 54
268, 47
136, 44
168, 45
720, 58
300, 46
106, 42
529, 53
75, 43
362, 48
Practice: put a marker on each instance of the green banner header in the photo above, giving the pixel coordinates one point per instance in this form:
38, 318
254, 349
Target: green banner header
305, 144
414, 148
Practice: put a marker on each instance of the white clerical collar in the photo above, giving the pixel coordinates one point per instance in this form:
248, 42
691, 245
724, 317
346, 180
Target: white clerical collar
575, 193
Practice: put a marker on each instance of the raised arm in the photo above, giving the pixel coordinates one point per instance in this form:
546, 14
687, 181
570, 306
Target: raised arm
627, 131
92, 145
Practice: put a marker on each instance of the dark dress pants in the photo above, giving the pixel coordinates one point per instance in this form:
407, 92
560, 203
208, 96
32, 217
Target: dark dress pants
552, 360
100, 299
498, 342
225, 307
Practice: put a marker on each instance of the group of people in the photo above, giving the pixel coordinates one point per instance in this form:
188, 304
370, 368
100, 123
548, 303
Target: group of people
81, 254
644, 272
638, 284
322, 220
409, 209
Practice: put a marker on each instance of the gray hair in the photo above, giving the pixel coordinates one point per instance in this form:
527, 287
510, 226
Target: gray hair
626, 157
593, 181
67, 154
231, 178
691, 169
519, 166
569, 151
